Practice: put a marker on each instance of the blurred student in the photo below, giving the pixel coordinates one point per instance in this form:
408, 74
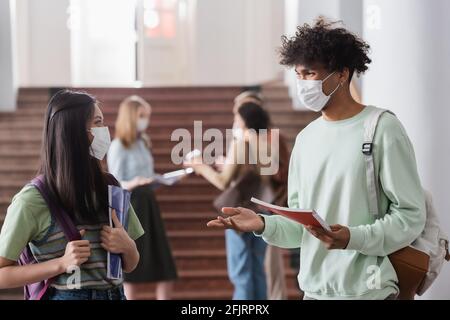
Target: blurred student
245, 253
75, 140
273, 263
130, 161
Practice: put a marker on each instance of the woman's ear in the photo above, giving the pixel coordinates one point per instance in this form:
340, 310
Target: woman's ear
90, 135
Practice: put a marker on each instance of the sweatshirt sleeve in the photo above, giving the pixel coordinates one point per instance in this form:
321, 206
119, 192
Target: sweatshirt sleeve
406, 214
280, 231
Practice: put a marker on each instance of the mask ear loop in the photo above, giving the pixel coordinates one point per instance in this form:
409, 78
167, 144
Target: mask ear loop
328, 76
338, 86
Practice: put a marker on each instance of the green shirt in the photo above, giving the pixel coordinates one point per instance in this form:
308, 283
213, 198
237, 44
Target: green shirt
28, 220
327, 174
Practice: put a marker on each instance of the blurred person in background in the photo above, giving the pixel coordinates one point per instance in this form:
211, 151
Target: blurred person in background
245, 253
274, 265
130, 161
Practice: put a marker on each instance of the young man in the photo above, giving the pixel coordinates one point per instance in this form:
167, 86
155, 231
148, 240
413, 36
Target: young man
327, 173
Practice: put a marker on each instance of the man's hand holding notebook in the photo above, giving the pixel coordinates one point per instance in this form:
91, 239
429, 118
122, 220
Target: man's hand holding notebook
246, 220
333, 237
305, 217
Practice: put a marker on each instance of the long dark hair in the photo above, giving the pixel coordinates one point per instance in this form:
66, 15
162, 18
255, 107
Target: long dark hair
74, 179
254, 116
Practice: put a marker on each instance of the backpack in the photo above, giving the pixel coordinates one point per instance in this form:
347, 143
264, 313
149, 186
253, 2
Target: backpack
36, 291
417, 265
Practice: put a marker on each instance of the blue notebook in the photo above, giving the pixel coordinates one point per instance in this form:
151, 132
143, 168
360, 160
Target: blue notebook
119, 199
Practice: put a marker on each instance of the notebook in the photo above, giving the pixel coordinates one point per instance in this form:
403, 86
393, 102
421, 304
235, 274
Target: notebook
119, 199
305, 217
170, 178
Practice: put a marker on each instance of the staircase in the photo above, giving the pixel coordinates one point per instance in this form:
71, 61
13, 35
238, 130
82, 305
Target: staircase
199, 252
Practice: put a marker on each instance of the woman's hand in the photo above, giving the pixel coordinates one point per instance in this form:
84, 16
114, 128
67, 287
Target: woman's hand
337, 238
136, 182
194, 163
220, 162
116, 240
77, 253
239, 219
14, 276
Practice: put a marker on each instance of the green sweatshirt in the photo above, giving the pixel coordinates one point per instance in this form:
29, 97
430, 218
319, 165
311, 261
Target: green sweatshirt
327, 174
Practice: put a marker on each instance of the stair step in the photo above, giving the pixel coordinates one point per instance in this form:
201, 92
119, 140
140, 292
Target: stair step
190, 181
183, 191
213, 259
35, 152
269, 92
37, 110
205, 279
165, 197
30, 141
159, 135
169, 122
186, 239
211, 294
168, 201
187, 221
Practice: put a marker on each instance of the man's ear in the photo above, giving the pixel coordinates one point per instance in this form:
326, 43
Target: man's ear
344, 75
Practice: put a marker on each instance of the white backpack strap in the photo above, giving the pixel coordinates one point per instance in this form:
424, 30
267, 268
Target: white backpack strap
447, 253
370, 128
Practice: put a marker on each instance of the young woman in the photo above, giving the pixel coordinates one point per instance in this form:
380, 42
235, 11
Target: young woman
74, 141
245, 252
131, 161
274, 265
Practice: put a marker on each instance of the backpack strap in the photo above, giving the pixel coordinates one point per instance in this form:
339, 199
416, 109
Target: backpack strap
70, 231
370, 128
62, 218
111, 180
447, 254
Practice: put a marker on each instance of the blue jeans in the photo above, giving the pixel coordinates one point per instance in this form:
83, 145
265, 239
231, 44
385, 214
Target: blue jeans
86, 294
245, 261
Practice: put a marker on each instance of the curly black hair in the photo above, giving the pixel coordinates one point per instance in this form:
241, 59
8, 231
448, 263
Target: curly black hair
335, 48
